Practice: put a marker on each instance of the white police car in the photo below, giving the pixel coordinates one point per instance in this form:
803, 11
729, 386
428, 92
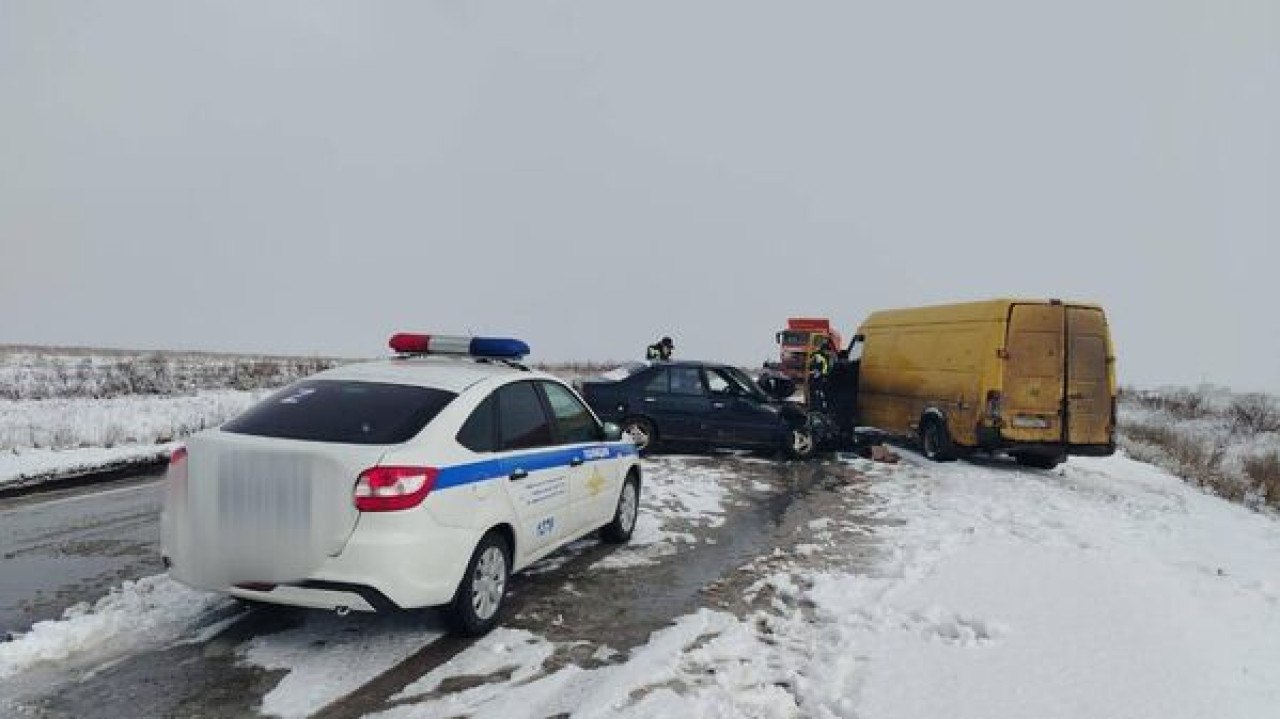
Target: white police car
420, 480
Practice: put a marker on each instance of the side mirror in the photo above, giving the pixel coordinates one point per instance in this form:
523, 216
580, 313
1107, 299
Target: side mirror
612, 432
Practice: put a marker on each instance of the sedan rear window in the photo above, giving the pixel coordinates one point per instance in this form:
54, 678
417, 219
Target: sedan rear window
342, 411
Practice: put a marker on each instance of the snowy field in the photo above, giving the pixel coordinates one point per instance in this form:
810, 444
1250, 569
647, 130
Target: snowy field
70, 373
59, 437
1227, 442
65, 412
1105, 588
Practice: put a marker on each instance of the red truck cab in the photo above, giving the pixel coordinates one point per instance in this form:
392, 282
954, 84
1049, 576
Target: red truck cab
802, 336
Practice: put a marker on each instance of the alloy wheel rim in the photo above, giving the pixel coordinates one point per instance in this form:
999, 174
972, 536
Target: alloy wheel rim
627, 507
488, 583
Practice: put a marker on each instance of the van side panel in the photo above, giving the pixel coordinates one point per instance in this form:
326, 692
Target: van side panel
1089, 382
1033, 373
933, 358
1049, 362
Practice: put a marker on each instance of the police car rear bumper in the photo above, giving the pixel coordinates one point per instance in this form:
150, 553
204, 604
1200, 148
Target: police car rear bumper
389, 563
320, 595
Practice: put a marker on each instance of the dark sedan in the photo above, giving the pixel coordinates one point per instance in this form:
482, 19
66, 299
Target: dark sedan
697, 403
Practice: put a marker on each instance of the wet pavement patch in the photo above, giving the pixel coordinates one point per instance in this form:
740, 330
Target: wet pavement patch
762, 515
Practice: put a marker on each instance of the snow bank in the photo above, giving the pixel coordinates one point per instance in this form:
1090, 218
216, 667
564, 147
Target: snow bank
515, 653
329, 657
134, 420
36, 465
40, 439
146, 612
52, 373
678, 496
1105, 588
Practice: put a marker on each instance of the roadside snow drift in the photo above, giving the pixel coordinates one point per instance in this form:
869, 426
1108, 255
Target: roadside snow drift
150, 611
1107, 588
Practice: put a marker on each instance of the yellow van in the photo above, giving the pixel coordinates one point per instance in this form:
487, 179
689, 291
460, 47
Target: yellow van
1034, 378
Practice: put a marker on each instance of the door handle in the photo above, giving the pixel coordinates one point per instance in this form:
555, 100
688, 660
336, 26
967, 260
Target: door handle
519, 474
575, 462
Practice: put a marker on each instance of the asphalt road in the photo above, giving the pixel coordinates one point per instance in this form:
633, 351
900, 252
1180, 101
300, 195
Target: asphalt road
61, 548
56, 550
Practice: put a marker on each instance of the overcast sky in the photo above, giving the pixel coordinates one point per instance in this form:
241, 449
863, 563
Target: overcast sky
310, 176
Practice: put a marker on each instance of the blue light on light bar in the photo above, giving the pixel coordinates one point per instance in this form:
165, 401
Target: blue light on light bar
504, 347
495, 347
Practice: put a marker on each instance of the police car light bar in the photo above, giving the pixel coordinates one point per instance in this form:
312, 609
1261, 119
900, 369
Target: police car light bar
496, 347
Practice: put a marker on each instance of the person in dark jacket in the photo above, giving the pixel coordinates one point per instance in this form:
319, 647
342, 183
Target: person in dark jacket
842, 396
660, 350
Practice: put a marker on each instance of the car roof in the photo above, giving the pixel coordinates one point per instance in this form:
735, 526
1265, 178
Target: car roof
689, 363
453, 374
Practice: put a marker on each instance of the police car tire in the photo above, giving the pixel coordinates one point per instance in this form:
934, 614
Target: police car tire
460, 614
619, 531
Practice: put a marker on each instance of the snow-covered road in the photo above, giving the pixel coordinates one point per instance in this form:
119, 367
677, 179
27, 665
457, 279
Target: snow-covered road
1105, 588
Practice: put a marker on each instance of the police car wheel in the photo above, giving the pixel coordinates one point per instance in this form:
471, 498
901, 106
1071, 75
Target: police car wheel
478, 601
641, 432
624, 517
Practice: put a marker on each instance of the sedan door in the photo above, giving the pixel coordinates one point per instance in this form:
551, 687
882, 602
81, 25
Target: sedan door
675, 398
738, 417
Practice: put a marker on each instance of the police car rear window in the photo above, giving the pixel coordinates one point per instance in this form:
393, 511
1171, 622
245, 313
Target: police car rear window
342, 411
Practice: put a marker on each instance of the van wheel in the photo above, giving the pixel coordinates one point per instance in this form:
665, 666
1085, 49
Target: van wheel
935, 440
641, 432
1039, 461
624, 517
478, 601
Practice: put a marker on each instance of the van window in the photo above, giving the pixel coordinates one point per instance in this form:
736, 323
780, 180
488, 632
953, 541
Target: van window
342, 411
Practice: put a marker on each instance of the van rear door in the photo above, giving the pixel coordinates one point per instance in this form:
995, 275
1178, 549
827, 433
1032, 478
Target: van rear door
1088, 390
1033, 374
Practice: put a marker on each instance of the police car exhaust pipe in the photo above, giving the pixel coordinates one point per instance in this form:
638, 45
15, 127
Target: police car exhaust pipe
342, 611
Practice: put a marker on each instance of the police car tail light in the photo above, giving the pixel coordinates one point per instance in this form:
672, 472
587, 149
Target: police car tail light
411, 343
387, 489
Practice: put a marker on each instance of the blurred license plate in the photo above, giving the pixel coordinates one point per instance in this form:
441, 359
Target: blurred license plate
1031, 422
